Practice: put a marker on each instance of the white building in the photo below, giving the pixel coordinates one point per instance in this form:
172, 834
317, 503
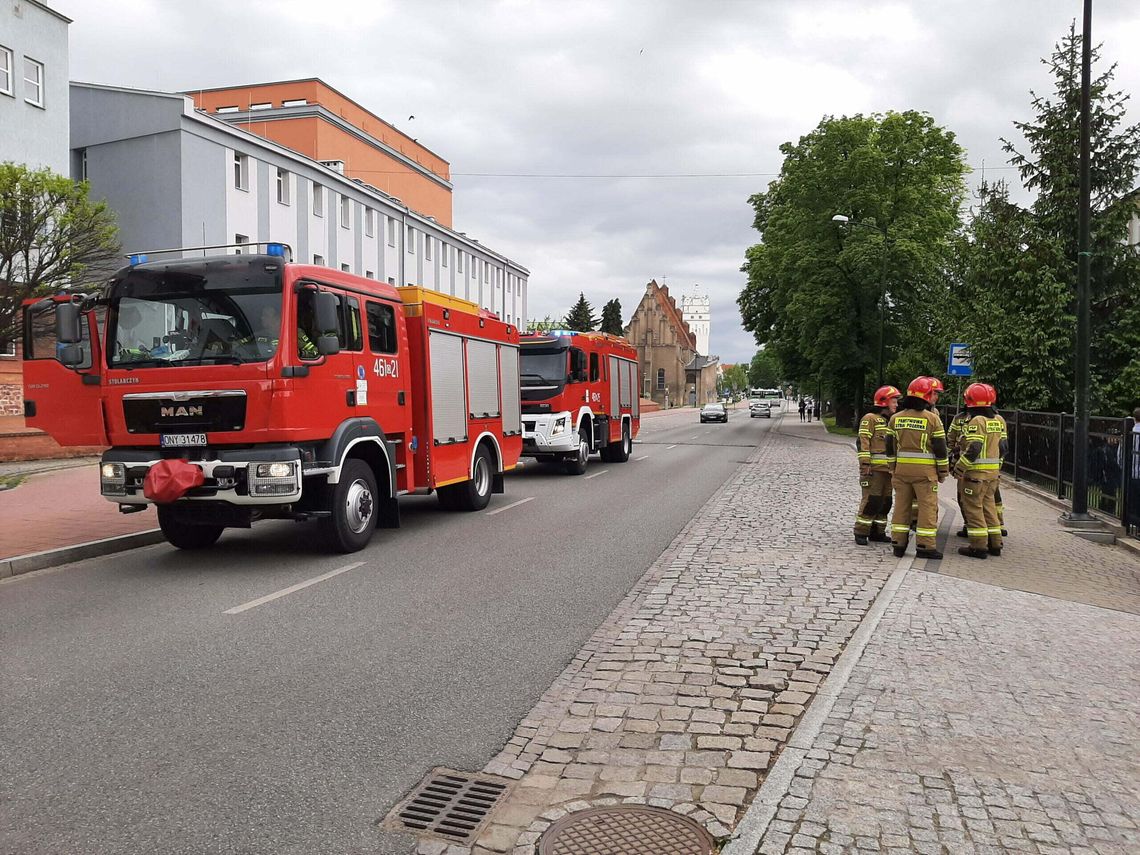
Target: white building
178, 177
695, 309
33, 85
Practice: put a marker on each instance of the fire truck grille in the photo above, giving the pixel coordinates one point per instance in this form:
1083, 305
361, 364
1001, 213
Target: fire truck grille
198, 414
450, 805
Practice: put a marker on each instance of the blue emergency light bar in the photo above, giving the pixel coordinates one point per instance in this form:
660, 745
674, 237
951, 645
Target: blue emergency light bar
137, 258
277, 249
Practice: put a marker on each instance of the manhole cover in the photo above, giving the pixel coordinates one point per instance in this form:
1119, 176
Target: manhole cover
449, 804
623, 830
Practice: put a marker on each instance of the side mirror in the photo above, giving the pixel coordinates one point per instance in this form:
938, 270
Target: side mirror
328, 312
327, 345
71, 354
67, 324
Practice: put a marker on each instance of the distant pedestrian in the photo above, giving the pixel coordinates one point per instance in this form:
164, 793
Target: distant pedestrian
803, 409
817, 411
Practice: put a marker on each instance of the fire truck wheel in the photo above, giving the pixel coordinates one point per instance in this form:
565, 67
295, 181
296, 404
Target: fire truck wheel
474, 495
576, 465
183, 534
353, 508
619, 451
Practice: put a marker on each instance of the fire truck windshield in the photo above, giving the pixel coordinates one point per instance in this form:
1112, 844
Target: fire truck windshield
542, 368
195, 314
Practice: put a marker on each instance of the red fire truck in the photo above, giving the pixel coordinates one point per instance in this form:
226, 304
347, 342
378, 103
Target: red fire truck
579, 395
234, 388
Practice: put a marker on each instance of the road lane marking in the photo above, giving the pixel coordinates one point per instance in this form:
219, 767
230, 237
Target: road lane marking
596, 474
511, 505
284, 592
646, 457
671, 446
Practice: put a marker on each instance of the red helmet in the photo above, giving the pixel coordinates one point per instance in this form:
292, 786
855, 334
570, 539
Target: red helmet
884, 394
980, 395
936, 384
924, 388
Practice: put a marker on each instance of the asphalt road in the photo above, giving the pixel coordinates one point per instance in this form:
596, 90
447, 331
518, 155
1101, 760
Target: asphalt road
137, 715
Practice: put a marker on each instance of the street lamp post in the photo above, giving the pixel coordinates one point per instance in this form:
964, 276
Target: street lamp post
844, 220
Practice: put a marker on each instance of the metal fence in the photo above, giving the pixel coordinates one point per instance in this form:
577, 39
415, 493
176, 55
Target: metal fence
1041, 449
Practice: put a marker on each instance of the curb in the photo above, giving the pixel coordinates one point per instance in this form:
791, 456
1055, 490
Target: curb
20, 564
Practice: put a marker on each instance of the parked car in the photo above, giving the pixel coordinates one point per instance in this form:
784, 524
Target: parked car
759, 408
714, 413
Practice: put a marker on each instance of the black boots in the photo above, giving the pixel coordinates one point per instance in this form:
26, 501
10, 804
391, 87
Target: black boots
995, 551
962, 532
861, 539
970, 552
881, 537
927, 553
899, 551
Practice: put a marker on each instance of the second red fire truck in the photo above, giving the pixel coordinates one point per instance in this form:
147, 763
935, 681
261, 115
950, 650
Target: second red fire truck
579, 395
242, 387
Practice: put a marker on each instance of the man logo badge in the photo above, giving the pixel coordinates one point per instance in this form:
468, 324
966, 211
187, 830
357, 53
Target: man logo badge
176, 412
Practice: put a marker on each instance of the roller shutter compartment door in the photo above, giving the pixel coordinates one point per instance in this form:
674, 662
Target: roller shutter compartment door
624, 375
636, 392
448, 388
615, 367
509, 383
483, 378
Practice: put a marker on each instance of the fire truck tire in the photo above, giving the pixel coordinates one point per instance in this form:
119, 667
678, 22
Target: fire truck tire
354, 508
185, 535
618, 452
576, 465
475, 494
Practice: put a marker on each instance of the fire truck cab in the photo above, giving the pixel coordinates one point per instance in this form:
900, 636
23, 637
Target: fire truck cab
579, 395
235, 388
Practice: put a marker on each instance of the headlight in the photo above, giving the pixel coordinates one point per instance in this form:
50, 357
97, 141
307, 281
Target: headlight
113, 479
559, 426
272, 479
274, 470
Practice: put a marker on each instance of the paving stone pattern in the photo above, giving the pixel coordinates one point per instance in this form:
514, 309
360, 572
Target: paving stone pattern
978, 720
684, 696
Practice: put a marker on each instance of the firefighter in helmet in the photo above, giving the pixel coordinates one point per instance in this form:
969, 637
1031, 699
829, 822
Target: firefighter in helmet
874, 469
917, 442
937, 388
984, 445
954, 440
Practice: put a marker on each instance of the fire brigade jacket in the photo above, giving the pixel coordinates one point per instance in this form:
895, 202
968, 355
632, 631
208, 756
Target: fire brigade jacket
954, 436
873, 442
917, 442
983, 446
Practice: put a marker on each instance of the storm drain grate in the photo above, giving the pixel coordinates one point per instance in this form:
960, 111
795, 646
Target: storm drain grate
625, 829
449, 804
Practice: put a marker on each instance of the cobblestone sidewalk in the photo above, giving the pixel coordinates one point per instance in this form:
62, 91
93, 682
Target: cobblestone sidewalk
686, 693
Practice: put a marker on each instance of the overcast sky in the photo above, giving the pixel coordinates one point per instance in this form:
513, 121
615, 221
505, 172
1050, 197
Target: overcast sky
567, 124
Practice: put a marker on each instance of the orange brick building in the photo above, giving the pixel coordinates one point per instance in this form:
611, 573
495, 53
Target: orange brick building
313, 119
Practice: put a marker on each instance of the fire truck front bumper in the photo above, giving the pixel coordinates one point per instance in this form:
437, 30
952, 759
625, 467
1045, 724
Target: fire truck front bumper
549, 433
246, 477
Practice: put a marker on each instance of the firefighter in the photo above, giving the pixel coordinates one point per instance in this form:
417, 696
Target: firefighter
937, 387
983, 447
874, 469
917, 442
953, 440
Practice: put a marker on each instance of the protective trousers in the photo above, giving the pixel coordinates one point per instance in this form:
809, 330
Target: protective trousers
875, 503
980, 509
924, 489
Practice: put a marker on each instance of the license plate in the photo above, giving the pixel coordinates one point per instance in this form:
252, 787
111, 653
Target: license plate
181, 440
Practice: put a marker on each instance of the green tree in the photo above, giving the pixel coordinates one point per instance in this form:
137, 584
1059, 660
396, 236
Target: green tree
51, 237
1050, 168
545, 325
735, 378
581, 317
764, 370
814, 290
611, 318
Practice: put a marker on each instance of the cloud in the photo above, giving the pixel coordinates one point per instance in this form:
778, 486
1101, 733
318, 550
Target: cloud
615, 88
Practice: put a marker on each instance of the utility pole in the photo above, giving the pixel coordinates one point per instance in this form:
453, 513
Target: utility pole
1080, 509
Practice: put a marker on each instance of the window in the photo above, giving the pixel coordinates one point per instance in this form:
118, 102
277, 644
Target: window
352, 319
459, 261
391, 280
83, 164
369, 274
344, 268
33, 81
241, 171
594, 365
318, 259
660, 379
345, 211
411, 240
444, 251
306, 323
230, 109
391, 231
6, 71
486, 272
427, 247
283, 186
318, 200
240, 240
265, 105
369, 222
381, 328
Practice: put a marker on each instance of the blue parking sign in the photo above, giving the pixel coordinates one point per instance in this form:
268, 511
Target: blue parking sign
961, 362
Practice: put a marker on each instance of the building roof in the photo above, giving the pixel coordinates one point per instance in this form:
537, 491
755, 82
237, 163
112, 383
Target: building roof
698, 362
669, 307
49, 10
